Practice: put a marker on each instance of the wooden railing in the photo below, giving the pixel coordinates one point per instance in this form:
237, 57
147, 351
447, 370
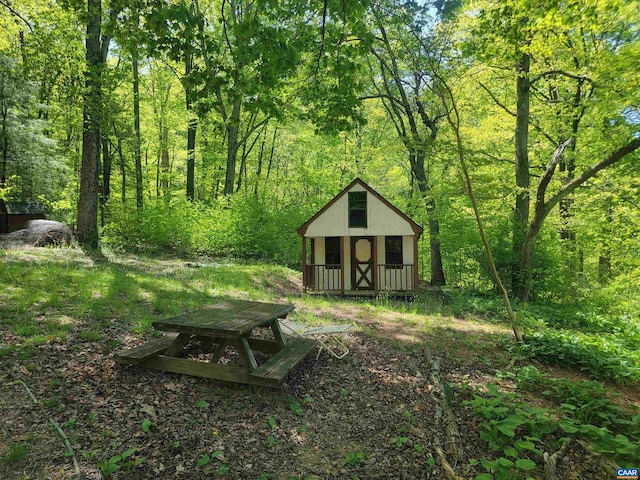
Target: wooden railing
323, 277
395, 278
392, 278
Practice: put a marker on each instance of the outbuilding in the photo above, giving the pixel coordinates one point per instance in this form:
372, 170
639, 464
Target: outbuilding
360, 244
15, 215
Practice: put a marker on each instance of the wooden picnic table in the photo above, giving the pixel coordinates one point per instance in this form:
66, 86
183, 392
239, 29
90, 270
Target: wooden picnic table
228, 323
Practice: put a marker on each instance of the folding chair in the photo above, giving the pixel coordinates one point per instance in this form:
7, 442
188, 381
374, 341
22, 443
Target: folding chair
326, 336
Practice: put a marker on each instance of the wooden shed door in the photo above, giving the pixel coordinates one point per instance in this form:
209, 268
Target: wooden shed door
362, 276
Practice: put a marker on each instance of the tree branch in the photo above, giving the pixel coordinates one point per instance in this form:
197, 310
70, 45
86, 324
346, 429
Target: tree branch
13, 11
546, 177
569, 187
563, 73
497, 102
506, 109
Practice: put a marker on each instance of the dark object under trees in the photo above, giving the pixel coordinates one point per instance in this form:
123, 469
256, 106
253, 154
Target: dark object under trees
15, 215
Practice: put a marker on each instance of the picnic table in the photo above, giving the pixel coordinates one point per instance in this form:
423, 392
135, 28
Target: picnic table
228, 323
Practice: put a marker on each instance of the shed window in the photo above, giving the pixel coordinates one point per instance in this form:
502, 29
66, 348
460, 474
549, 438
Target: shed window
357, 209
393, 250
332, 251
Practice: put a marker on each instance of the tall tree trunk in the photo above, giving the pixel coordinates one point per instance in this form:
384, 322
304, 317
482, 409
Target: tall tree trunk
604, 258
5, 146
273, 147
521, 212
87, 223
437, 272
191, 132
260, 157
123, 169
136, 127
233, 131
106, 179
243, 167
164, 176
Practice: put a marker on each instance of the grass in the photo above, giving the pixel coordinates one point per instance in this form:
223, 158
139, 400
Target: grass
48, 293
16, 452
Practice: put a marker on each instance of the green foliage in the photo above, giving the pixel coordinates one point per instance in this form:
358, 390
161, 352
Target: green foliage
296, 408
29, 160
147, 425
17, 451
354, 458
204, 460
245, 227
399, 442
585, 336
601, 355
587, 411
125, 460
513, 430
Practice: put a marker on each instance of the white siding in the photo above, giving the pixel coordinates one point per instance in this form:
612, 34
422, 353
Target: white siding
346, 248
381, 220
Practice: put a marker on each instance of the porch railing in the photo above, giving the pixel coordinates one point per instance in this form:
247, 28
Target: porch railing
395, 278
392, 278
323, 277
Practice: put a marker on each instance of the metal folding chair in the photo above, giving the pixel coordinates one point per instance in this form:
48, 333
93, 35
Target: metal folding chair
326, 336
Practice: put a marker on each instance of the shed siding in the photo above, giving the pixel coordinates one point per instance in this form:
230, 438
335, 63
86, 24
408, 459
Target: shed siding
381, 220
347, 262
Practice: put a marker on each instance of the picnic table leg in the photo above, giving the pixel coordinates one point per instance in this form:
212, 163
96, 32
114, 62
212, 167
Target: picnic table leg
178, 344
277, 333
219, 350
247, 354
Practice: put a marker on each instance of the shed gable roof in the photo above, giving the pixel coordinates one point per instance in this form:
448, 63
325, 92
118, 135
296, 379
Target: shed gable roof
357, 181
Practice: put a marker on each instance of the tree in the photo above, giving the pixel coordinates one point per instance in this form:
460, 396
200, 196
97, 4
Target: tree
87, 223
543, 48
402, 83
30, 166
241, 55
97, 48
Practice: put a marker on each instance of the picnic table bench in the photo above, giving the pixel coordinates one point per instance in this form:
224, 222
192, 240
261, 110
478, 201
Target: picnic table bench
229, 323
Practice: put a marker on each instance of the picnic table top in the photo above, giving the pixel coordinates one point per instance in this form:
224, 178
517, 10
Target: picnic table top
227, 318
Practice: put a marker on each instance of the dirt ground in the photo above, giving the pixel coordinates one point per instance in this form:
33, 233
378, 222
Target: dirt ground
368, 416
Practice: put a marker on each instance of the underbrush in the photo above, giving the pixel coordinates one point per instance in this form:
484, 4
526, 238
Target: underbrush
242, 226
585, 337
520, 433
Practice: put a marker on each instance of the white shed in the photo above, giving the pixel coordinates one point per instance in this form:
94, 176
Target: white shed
360, 244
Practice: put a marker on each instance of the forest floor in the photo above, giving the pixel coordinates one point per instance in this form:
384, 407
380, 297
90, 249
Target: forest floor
370, 415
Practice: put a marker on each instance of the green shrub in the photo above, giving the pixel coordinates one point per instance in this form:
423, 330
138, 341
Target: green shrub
242, 226
601, 355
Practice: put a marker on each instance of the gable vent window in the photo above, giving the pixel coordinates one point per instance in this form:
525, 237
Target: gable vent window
357, 209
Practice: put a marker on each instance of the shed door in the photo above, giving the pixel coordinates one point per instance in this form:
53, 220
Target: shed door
362, 276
